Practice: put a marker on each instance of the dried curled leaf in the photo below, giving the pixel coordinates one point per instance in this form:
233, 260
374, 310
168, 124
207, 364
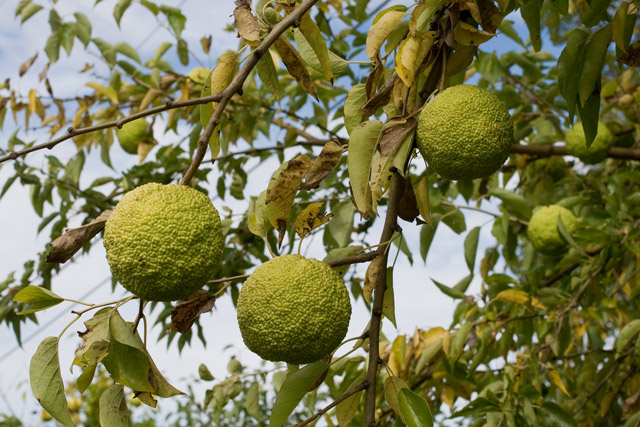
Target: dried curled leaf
186, 312
65, 246
408, 207
27, 64
394, 132
312, 217
322, 166
246, 24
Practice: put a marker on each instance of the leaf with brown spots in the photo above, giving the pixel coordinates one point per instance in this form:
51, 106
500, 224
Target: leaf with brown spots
322, 166
490, 16
296, 66
246, 24
394, 133
380, 99
186, 312
632, 57
66, 245
371, 277
312, 217
282, 191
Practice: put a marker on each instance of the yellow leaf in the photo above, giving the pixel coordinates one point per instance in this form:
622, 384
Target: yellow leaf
222, 75
446, 342
393, 385
371, 278
411, 53
32, 101
519, 297
149, 97
312, 217
555, 377
379, 31
448, 395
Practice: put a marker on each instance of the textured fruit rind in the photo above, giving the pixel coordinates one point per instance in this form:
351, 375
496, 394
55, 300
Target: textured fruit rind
465, 133
577, 145
132, 134
543, 228
163, 241
293, 309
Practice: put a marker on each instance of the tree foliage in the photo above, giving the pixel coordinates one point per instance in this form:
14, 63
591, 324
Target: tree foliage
548, 340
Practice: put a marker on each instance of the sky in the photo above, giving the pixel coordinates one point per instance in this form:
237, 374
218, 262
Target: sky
419, 304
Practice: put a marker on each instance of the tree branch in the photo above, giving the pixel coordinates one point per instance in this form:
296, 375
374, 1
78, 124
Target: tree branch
345, 396
236, 84
555, 150
390, 225
71, 132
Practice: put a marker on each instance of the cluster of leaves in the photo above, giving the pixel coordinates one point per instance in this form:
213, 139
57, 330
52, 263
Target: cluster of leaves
534, 347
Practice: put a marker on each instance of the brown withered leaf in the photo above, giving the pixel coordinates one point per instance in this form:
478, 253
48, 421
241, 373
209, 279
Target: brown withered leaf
373, 79
371, 277
186, 312
631, 405
27, 64
322, 166
65, 246
490, 16
312, 217
380, 99
206, 43
44, 71
394, 133
246, 24
296, 65
408, 206
632, 57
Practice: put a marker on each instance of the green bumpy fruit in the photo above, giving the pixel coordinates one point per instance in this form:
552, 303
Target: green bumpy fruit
293, 309
465, 132
163, 241
543, 228
133, 133
597, 151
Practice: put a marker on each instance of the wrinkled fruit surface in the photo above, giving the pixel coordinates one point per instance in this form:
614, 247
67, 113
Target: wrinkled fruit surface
465, 133
293, 309
543, 228
163, 241
597, 151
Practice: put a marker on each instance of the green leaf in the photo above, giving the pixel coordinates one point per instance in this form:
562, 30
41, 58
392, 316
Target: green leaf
46, 381
595, 53
318, 44
340, 253
38, 298
388, 304
52, 47
449, 291
471, 247
557, 412
113, 407
119, 9
356, 98
295, 386
346, 409
569, 66
414, 409
627, 333
269, 75
513, 203
426, 237
183, 51
84, 380
28, 11
127, 50
530, 12
362, 145
67, 35
476, 407
252, 401
83, 28
175, 17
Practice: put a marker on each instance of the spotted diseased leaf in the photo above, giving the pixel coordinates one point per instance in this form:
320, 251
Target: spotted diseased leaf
282, 191
296, 66
258, 222
66, 245
372, 277
312, 217
323, 165
113, 407
632, 56
469, 35
380, 30
490, 16
37, 298
186, 312
394, 133
381, 174
46, 381
362, 145
380, 99
411, 54
95, 340
246, 24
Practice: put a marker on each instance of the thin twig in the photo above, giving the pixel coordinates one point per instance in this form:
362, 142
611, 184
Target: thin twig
236, 84
71, 132
345, 396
